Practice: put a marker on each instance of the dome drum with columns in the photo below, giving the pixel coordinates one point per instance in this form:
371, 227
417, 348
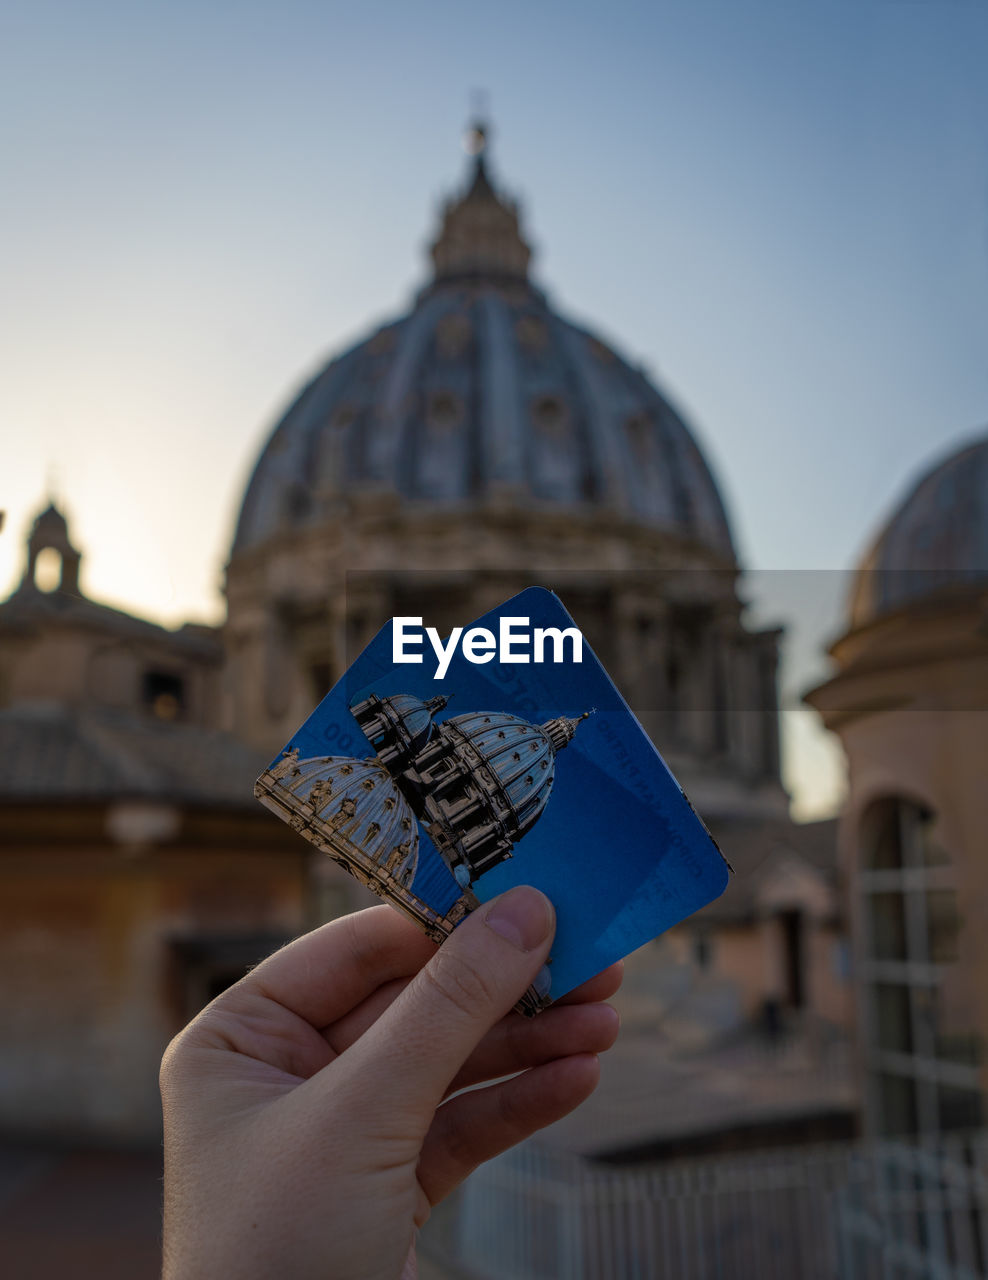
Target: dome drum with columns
472, 447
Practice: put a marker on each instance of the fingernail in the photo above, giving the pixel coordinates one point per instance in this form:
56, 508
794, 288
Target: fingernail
543, 982
522, 916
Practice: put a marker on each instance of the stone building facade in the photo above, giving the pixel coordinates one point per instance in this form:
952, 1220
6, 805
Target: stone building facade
909, 700
138, 876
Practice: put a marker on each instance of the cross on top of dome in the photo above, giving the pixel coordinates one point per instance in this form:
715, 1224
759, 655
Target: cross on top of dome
480, 237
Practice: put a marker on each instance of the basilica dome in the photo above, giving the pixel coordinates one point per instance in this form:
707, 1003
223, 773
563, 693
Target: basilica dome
482, 394
936, 541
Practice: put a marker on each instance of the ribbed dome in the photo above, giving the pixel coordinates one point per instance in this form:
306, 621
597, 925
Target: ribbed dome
397, 726
359, 802
483, 392
936, 540
512, 760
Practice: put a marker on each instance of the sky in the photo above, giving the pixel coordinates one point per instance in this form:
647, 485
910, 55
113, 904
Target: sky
780, 210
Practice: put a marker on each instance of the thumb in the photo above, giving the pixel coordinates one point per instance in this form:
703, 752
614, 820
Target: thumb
414, 1050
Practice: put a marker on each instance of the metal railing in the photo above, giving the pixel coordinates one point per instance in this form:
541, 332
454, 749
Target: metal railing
855, 1211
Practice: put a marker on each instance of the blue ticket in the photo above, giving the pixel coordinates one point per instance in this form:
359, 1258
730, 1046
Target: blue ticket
443, 770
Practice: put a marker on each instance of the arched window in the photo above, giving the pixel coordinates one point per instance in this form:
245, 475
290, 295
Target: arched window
163, 693
550, 415
48, 569
444, 411
922, 1059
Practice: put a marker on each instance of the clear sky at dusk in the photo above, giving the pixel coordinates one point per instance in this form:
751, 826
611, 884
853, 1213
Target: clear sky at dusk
780, 209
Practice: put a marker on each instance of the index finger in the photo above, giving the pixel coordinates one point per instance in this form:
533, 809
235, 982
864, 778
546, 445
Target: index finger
324, 974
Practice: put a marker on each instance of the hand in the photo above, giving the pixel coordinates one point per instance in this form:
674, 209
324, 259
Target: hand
309, 1126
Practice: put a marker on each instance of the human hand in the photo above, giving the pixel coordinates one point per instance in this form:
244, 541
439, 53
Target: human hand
309, 1126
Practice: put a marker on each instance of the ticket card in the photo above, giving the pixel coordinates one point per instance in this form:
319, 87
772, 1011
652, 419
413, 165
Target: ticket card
443, 770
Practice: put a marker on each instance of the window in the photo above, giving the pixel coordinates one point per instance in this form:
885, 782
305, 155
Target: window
791, 923
203, 966
674, 691
891, 1017
923, 1067
686, 633
896, 1098
163, 694
296, 503
887, 926
550, 415
321, 677
445, 411
453, 335
641, 433
343, 417
702, 948
48, 569
532, 333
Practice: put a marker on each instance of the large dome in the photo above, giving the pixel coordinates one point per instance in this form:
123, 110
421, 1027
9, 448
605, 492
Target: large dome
512, 761
482, 393
936, 540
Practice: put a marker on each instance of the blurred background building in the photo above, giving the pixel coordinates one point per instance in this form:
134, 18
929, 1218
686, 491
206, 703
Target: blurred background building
908, 700
474, 446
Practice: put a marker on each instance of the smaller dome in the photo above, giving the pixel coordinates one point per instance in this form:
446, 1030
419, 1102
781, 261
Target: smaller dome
357, 801
936, 540
397, 726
